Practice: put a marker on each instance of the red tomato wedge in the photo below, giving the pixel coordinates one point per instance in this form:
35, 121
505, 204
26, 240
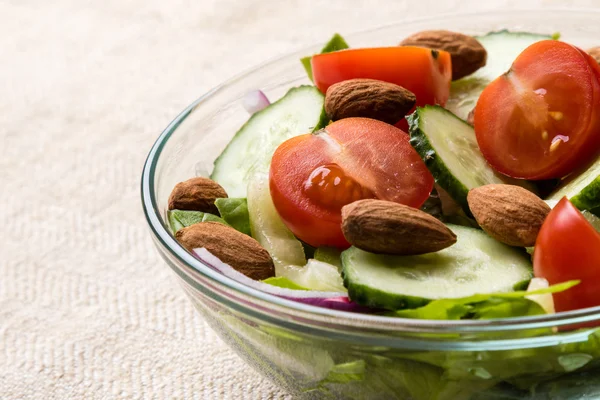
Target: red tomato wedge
568, 248
313, 176
541, 119
425, 72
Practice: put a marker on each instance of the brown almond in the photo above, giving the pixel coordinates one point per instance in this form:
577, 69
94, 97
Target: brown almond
509, 214
386, 227
595, 53
368, 98
467, 54
241, 252
196, 194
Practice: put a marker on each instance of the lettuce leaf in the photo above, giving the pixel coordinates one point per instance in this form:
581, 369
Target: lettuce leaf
346, 372
235, 212
283, 282
179, 219
336, 43
483, 306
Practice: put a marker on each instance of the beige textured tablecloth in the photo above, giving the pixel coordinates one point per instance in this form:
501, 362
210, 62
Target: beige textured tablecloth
87, 307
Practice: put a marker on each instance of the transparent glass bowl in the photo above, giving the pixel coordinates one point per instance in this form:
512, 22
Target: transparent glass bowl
320, 353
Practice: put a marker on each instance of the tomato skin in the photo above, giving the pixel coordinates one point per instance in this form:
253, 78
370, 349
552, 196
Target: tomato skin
424, 72
377, 160
541, 120
291, 206
568, 248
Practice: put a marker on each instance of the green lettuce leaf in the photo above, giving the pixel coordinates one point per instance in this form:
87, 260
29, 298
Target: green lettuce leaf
336, 43
346, 372
235, 212
379, 377
179, 219
283, 282
483, 306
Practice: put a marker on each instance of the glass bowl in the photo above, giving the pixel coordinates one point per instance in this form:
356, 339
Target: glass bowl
320, 353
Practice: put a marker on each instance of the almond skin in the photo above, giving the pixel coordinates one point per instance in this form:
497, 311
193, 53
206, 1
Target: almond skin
386, 227
196, 194
509, 214
468, 55
595, 53
368, 98
241, 252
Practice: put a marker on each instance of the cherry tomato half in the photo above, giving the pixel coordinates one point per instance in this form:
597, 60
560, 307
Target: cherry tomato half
541, 119
313, 176
568, 248
425, 72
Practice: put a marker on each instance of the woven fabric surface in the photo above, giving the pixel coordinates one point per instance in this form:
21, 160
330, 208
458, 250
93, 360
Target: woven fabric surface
88, 310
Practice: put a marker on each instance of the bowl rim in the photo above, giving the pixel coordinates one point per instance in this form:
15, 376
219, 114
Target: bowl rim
195, 265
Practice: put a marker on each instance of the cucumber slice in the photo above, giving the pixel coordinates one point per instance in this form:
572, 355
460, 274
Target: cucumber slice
287, 251
502, 48
316, 275
583, 190
269, 230
251, 149
475, 264
449, 148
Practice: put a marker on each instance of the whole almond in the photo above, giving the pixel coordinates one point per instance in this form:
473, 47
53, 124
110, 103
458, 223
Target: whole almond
241, 252
595, 53
196, 194
467, 54
368, 98
509, 214
386, 227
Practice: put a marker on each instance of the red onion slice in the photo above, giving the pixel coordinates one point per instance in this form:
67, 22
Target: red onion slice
255, 101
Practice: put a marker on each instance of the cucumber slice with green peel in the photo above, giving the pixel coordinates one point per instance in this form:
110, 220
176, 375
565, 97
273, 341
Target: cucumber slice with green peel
582, 190
251, 149
502, 48
449, 148
476, 263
